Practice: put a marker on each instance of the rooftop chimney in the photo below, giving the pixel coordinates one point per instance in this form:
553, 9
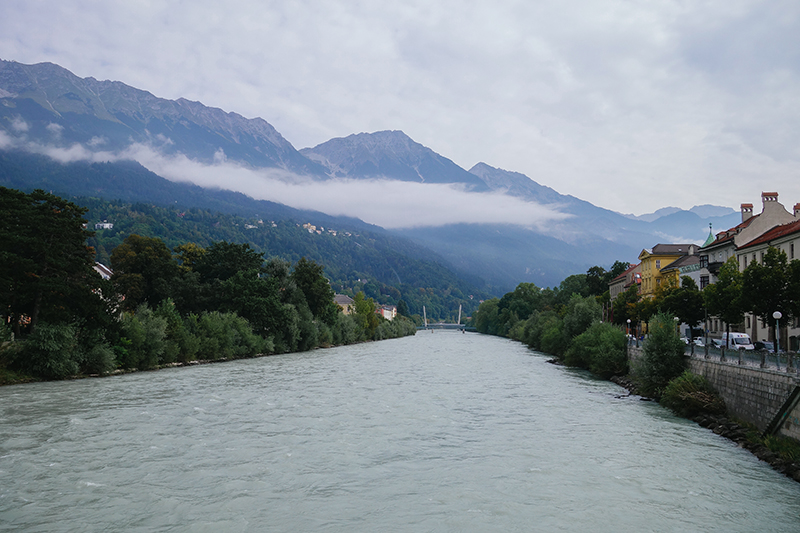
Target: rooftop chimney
747, 211
767, 197
796, 210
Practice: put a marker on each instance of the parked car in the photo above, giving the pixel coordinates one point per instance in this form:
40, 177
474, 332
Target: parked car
699, 341
764, 345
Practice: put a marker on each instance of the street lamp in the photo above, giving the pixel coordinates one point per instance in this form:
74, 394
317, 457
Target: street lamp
677, 326
629, 330
777, 316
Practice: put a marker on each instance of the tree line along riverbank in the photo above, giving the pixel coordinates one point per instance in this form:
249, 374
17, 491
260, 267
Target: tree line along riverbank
572, 331
160, 307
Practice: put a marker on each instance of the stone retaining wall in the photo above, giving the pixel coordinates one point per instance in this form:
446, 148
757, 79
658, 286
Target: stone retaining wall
754, 395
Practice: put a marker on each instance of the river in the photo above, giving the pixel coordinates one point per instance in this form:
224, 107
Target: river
442, 431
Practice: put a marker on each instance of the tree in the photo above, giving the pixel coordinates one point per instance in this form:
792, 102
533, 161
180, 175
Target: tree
402, 308
723, 299
794, 286
485, 318
662, 357
309, 278
45, 264
625, 307
222, 260
575, 284
365, 315
686, 302
144, 271
766, 287
580, 314
596, 281
189, 255
523, 301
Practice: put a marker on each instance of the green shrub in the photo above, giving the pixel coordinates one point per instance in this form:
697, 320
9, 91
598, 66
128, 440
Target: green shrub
226, 336
689, 395
553, 340
99, 359
601, 349
662, 357
50, 352
147, 333
580, 314
787, 448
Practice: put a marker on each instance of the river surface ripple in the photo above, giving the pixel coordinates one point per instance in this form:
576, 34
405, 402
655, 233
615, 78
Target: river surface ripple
438, 432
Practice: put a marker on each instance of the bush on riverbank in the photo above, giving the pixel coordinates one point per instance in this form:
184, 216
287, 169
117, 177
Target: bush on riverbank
600, 349
689, 395
662, 356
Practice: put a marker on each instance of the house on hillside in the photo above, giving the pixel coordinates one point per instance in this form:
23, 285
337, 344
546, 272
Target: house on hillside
103, 270
344, 302
389, 312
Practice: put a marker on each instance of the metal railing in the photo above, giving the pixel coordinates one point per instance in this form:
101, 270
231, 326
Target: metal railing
783, 361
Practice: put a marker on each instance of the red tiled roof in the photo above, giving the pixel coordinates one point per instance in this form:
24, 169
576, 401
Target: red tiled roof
775, 233
624, 274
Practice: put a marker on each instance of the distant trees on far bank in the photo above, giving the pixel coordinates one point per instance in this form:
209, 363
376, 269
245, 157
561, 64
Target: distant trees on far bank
160, 306
565, 321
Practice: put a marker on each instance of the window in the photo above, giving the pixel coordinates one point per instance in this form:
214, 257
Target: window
748, 321
703, 282
762, 257
703, 261
658, 264
745, 261
791, 251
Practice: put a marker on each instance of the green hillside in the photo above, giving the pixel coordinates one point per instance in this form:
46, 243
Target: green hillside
356, 256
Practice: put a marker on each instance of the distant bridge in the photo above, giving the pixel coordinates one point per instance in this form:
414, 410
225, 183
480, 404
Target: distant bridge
444, 325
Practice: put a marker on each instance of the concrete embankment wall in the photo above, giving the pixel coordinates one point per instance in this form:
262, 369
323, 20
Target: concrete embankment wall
754, 395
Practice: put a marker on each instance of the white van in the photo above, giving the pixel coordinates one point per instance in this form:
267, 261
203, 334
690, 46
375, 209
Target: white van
738, 341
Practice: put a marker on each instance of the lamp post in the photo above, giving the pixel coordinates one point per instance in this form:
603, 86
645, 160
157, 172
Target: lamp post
629, 330
677, 326
777, 316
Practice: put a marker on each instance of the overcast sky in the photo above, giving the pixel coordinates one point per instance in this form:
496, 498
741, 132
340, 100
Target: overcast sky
631, 105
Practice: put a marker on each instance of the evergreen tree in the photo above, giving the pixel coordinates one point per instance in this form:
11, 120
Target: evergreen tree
144, 271
45, 264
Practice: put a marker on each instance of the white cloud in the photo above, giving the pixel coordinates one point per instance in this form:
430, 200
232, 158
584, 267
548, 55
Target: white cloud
390, 204
55, 129
19, 125
632, 106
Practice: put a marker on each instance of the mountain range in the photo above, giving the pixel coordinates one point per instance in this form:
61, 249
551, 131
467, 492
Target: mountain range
45, 107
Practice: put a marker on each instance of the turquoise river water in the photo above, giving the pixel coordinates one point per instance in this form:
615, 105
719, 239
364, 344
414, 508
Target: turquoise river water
439, 432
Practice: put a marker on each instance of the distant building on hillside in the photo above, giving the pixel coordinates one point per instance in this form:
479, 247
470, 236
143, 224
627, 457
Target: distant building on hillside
389, 312
345, 302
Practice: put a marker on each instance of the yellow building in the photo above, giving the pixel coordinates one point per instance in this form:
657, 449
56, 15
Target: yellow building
654, 260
